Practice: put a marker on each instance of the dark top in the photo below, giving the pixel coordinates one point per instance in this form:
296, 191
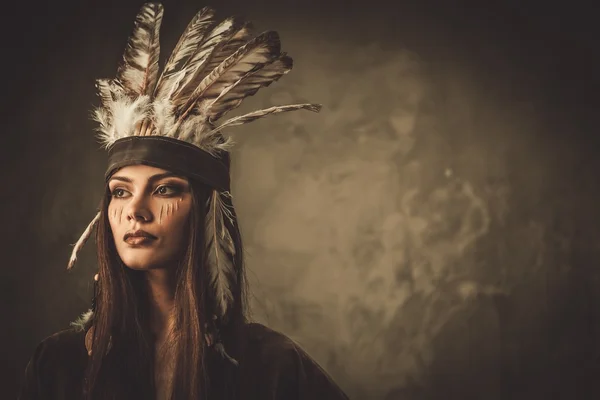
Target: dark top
272, 367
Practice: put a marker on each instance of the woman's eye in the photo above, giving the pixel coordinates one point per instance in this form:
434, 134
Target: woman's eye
118, 193
167, 190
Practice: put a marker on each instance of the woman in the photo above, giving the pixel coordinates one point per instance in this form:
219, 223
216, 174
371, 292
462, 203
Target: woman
168, 319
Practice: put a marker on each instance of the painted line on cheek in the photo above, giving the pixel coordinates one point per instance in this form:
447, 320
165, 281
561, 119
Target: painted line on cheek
121, 214
160, 215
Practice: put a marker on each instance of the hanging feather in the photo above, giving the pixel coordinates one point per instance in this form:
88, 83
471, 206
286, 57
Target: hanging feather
221, 350
81, 242
220, 253
248, 85
184, 49
139, 71
81, 322
244, 119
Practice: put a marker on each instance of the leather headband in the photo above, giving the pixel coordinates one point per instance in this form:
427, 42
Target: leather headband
171, 154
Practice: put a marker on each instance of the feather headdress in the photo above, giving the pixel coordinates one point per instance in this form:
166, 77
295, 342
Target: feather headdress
213, 67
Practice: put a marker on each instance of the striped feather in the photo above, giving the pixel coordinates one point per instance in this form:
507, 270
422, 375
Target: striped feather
220, 53
248, 85
108, 91
260, 50
139, 70
184, 49
220, 253
188, 76
252, 116
81, 242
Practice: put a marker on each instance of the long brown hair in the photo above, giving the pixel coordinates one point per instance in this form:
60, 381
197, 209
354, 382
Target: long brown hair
122, 360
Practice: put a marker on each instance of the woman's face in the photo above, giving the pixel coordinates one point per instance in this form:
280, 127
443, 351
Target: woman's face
153, 202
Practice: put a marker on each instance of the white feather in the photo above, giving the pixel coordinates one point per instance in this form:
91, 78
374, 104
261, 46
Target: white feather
120, 119
163, 115
82, 320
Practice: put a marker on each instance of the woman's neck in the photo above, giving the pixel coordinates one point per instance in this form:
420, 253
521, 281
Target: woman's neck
161, 295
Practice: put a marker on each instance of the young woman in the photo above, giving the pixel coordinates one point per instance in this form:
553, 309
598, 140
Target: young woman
168, 319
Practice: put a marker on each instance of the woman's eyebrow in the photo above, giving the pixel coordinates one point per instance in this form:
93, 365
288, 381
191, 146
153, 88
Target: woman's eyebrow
153, 178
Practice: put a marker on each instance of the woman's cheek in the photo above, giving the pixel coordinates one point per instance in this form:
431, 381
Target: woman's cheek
169, 210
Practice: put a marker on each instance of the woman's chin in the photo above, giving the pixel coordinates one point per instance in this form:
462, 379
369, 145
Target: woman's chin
140, 263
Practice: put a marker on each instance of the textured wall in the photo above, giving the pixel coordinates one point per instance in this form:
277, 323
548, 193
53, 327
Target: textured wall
428, 235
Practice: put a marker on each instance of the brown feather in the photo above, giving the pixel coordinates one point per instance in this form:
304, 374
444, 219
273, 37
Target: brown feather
220, 53
248, 85
193, 67
220, 252
252, 116
186, 46
260, 50
138, 72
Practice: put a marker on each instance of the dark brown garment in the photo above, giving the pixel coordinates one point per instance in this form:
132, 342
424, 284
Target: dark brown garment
272, 367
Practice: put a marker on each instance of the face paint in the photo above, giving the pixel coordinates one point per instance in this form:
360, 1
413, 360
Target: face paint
170, 233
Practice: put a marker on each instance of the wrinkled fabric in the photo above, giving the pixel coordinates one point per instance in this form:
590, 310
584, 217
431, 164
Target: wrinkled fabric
272, 367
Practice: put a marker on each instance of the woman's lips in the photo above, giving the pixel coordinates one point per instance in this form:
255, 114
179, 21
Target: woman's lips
139, 240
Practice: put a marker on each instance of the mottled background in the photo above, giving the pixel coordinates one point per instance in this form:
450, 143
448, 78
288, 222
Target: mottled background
431, 234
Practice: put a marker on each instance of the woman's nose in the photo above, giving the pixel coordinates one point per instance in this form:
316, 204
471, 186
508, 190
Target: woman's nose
138, 209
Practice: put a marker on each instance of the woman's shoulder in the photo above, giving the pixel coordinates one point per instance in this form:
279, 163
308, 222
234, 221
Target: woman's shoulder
57, 364
65, 345
277, 358
268, 346
259, 334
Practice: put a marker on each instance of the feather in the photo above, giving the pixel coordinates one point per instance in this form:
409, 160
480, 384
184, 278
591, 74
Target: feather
189, 74
184, 49
163, 115
82, 320
220, 253
121, 118
139, 70
81, 242
260, 50
237, 40
221, 350
220, 53
191, 128
108, 91
248, 85
244, 119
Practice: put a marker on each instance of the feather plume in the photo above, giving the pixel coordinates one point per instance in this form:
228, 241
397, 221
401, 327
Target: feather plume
193, 127
190, 74
184, 49
244, 119
213, 67
120, 118
139, 70
228, 47
81, 242
248, 85
260, 50
220, 252
221, 52
109, 90
163, 116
